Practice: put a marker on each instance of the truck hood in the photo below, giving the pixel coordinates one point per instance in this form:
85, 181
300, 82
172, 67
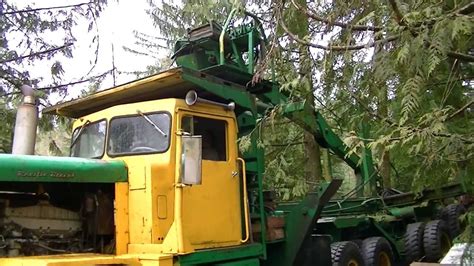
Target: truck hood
32, 168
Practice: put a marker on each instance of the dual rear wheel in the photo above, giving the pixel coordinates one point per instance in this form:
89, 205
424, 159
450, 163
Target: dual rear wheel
373, 251
346, 253
427, 242
423, 241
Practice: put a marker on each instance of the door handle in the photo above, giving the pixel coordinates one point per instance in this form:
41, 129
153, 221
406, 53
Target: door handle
246, 207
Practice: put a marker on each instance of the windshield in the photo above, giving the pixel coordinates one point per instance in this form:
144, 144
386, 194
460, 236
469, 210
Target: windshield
88, 140
142, 133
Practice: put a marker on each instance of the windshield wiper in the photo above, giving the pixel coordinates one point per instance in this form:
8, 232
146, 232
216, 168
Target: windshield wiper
155, 126
79, 133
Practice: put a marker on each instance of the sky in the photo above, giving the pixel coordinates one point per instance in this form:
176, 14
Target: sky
116, 25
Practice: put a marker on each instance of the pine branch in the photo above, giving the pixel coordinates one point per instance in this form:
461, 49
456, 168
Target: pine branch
45, 8
389, 122
331, 47
469, 8
97, 38
313, 15
52, 50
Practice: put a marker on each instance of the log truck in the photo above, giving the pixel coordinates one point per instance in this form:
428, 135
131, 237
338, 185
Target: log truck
155, 177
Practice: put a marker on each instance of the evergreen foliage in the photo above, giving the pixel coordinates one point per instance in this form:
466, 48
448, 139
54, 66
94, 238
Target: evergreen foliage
405, 67
39, 36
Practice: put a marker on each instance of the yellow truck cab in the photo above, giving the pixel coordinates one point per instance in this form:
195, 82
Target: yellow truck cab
164, 214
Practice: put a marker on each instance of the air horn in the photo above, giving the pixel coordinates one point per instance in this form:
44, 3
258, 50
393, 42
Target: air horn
192, 98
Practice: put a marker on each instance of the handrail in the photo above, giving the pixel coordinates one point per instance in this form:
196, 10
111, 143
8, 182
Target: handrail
221, 36
246, 210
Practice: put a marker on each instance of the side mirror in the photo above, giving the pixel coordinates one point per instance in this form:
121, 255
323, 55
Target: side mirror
191, 159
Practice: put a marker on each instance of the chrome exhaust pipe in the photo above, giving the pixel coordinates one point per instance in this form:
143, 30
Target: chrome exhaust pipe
26, 123
192, 98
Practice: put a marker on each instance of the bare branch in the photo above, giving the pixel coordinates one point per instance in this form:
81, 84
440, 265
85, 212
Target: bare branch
331, 47
61, 86
461, 56
460, 110
467, 9
398, 14
52, 50
45, 8
312, 15
75, 82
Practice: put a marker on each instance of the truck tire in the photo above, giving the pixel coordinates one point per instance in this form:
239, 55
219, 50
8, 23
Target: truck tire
414, 242
376, 251
436, 240
450, 214
346, 253
317, 251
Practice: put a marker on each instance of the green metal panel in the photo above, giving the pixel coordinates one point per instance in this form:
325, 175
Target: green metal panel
221, 88
247, 262
260, 158
221, 255
408, 211
298, 215
300, 219
350, 221
314, 122
31, 168
369, 176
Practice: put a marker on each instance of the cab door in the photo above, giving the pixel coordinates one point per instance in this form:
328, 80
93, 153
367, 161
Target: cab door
212, 210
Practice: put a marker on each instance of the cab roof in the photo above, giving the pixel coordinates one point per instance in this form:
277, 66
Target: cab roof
166, 84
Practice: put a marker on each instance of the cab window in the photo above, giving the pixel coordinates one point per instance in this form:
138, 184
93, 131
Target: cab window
88, 140
139, 134
213, 132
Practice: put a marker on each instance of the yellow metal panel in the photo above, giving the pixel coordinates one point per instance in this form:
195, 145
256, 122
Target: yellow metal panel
140, 218
122, 237
149, 176
211, 211
161, 260
91, 260
162, 193
70, 260
166, 84
137, 176
149, 249
162, 207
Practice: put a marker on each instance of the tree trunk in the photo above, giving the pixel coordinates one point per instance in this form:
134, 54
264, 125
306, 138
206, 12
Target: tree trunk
312, 150
385, 168
327, 172
313, 167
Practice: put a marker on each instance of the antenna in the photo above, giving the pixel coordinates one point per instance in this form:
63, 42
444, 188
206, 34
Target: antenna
113, 63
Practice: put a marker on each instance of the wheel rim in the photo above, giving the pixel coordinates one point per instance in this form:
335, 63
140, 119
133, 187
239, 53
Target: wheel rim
445, 243
353, 262
384, 259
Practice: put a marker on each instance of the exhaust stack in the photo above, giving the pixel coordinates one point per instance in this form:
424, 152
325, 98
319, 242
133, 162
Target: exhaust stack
26, 123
